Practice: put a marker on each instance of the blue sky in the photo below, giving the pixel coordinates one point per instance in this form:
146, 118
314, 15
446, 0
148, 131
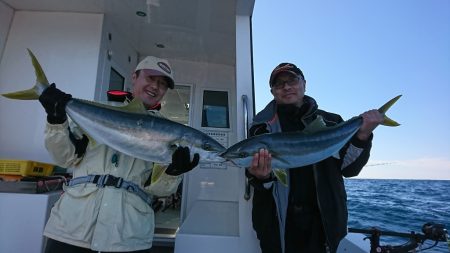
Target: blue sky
356, 55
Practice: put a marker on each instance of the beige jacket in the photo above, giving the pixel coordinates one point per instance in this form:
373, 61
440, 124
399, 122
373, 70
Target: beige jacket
103, 219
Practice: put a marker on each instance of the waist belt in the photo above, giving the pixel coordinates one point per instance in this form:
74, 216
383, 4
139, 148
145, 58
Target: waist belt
109, 180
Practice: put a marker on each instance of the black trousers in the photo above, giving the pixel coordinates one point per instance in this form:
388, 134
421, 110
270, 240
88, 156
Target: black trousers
304, 231
265, 221
54, 246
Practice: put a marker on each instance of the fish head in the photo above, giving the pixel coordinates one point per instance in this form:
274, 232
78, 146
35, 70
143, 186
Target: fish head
208, 149
241, 154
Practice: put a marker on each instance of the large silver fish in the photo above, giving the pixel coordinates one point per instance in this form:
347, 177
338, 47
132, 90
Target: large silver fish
297, 149
128, 129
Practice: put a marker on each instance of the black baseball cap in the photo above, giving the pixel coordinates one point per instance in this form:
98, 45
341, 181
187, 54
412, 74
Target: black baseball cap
285, 67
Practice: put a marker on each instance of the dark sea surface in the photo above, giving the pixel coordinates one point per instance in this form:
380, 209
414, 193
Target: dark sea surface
399, 205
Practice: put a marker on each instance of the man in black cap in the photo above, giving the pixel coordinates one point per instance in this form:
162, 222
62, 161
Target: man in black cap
309, 214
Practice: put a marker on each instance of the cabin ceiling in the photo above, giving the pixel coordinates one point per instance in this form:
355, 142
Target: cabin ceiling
195, 30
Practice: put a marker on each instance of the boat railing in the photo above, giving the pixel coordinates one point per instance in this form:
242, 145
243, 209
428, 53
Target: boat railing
430, 231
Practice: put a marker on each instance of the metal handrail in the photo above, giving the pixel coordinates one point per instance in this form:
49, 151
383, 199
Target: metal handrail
245, 107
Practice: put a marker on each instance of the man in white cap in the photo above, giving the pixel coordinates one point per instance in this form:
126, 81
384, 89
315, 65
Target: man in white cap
107, 205
151, 79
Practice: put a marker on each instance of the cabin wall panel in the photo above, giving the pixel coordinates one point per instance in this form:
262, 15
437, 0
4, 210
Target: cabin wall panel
67, 46
6, 15
209, 184
244, 86
123, 58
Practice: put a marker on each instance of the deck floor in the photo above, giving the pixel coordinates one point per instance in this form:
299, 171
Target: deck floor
162, 249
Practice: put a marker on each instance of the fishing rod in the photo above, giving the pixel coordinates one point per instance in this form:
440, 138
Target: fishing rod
430, 231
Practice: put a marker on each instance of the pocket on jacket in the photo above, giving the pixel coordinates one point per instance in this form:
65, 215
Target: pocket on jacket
139, 219
81, 190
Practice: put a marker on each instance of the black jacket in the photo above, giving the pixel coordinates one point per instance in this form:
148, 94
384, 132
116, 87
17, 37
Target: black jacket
328, 181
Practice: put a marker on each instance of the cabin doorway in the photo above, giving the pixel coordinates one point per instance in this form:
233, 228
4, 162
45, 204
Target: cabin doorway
168, 210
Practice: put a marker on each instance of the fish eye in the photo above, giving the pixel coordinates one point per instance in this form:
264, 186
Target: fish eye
207, 146
243, 154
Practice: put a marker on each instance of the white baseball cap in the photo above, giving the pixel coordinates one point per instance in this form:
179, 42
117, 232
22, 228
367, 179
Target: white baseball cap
157, 67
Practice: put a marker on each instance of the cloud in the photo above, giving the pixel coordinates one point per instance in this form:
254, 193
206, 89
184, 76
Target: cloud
423, 168
379, 163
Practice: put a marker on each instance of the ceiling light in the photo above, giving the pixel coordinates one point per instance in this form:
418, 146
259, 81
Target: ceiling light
141, 13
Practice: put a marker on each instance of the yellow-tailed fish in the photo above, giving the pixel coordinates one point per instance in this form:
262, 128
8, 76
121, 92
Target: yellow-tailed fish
128, 129
298, 149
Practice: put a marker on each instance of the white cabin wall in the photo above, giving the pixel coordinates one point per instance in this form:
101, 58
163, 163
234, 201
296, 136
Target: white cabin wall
248, 241
67, 46
123, 58
209, 184
210, 208
6, 15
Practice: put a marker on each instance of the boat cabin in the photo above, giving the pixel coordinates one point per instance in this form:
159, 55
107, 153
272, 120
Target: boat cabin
89, 47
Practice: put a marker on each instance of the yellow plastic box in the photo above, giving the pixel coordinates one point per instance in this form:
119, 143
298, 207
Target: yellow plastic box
25, 168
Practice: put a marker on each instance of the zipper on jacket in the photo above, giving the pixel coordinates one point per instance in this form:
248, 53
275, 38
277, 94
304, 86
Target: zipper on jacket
320, 210
115, 160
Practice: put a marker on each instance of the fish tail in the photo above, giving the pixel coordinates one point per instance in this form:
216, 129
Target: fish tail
383, 109
41, 83
281, 175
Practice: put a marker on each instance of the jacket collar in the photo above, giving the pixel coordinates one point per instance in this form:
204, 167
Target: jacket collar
156, 107
269, 113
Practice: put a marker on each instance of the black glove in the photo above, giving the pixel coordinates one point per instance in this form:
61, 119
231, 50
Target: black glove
54, 102
181, 162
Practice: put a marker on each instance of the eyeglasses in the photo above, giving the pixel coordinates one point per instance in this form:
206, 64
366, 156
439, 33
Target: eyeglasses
279, 84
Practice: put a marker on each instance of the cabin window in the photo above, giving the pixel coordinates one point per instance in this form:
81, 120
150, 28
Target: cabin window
176, 104
215, 109
116, 80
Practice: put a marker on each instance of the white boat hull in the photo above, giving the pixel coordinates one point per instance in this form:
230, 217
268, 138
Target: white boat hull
354, 243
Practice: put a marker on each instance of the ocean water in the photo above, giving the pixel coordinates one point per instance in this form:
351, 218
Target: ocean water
399, 205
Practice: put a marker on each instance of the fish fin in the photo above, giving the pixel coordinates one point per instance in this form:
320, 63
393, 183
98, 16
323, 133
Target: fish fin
40, 75
92, 141
157, 171
281, 175
136, 105
134, 108
29, 94
390, 122
315, 126
173, 146
41, 83
100, 104
336, 155
383, 109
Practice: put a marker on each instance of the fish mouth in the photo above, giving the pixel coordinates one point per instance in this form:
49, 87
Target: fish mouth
227, 155
223, 154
